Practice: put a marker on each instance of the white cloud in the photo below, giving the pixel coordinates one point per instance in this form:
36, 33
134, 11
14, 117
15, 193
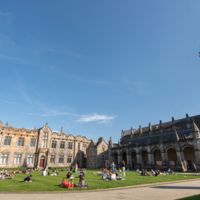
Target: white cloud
95, 118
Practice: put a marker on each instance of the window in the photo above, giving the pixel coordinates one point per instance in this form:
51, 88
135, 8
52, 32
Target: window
103, 148
32, 142
29, 159
79, 146
84, 147
61, 159
4, 159
7, 140
53, 144
70, 145
62, 144
20, 141
69, 159
18, 159
52, 159
45, 140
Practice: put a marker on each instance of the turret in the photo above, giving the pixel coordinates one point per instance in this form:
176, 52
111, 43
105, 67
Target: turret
110, 144
150, 127
140, 129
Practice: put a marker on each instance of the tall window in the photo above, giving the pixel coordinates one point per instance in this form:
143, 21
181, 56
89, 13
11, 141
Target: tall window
20, 141
4, 159
53, 144
62, 144
52, 159
29, 159
45, 140
32, 142
79, 146
61, 159
18, 159
7, 140
69, 159
70, 145
84, 147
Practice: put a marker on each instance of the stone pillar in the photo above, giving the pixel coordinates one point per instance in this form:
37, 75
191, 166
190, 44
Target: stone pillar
181, 161
150, 160
197, 159
119, 157
128, 159
139, 160
164, 159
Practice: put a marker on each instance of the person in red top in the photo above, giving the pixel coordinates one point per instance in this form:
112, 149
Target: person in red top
64, 183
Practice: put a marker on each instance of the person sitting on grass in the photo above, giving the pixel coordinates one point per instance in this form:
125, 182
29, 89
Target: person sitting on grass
81, 183
28, 179
64, 183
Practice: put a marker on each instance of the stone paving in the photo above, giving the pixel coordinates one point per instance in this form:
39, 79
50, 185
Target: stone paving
165, 191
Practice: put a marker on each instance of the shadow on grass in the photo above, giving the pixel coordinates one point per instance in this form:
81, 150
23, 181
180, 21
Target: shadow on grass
178, 187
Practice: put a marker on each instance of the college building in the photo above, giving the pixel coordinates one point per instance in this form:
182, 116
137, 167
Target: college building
42, 148
174, 144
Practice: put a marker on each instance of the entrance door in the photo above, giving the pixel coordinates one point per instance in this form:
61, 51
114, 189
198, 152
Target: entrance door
42, 161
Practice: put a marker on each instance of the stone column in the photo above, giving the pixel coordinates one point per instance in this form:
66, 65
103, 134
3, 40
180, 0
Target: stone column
164, 159
181, 161
119, 157
139, 160
150, 160
197, 159
128, 159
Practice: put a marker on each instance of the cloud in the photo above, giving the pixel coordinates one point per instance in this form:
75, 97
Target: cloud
96, 118
53, 113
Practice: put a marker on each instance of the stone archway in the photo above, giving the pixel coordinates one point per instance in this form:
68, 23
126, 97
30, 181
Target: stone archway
124, 157
157, 158
42, 162
134, 159
144, 156
172, 158
189, 157
115, 158
81, 159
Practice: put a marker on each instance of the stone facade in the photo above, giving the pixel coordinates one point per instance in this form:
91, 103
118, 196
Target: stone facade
174, 144
98, 154
41, 148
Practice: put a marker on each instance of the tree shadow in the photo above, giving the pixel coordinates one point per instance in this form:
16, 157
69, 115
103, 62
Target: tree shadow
178, 187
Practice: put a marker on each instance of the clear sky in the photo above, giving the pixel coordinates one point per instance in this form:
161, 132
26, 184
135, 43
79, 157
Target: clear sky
97, 67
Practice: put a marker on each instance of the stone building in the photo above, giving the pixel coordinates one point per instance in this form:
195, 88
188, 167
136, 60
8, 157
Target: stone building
98, 154
174, 144
41, 148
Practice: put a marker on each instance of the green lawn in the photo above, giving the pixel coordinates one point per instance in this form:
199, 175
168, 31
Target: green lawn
49, 183
196, 197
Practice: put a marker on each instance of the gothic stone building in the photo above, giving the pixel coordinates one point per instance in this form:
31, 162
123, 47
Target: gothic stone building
41, 148
174, 144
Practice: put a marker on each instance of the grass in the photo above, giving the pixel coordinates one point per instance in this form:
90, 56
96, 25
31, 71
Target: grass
52, 183
196, 197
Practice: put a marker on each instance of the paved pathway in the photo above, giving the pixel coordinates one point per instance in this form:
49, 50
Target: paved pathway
165, 191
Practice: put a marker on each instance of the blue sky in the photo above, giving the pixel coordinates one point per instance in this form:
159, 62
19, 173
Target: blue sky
97, 67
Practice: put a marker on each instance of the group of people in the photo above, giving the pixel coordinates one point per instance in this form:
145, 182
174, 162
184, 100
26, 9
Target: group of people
154, 172
68, 181
113, 174
5, 174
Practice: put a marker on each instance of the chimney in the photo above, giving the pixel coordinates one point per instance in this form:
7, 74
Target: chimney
122, 132
140, 129
150, 127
